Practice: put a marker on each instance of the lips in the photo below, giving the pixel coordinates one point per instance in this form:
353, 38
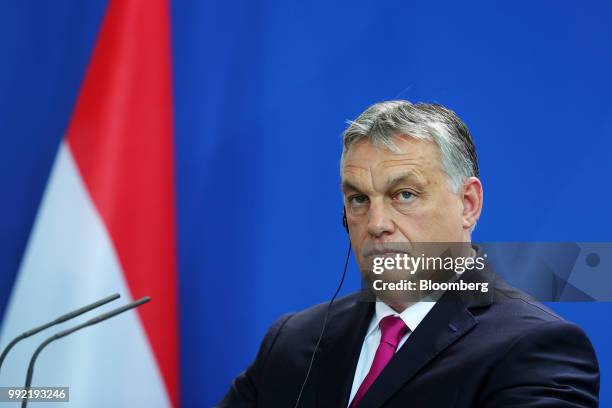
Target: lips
386, 250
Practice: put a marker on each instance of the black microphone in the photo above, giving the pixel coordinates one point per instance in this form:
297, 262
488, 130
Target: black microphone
71, 330
59, 320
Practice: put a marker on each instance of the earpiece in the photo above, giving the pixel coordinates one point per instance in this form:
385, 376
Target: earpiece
344, 220
329, 307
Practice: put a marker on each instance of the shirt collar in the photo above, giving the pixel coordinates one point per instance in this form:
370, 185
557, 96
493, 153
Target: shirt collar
413, 315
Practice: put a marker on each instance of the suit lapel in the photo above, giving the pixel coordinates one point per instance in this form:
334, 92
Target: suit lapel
446, 323
340, 351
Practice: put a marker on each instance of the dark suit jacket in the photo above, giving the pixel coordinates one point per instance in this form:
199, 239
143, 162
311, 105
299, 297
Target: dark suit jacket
502, 350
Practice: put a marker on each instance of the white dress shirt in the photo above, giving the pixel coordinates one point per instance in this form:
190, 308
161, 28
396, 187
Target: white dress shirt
412, 316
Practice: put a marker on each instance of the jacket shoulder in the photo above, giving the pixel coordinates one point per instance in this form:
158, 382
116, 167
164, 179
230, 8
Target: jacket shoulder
311, 319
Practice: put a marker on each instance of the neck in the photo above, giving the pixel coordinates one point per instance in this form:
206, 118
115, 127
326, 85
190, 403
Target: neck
400, 307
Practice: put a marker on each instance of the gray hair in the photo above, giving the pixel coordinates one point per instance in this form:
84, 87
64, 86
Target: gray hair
381, 122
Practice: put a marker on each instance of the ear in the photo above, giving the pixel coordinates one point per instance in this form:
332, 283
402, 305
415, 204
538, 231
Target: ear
472, 197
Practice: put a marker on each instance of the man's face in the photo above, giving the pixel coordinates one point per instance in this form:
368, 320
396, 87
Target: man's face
403, 197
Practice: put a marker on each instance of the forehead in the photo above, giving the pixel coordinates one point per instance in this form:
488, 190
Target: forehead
419, 156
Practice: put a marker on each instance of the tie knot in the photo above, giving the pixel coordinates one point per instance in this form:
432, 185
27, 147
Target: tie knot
392, 328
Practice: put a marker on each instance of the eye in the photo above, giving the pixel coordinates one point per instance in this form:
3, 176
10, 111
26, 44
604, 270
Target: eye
404, 196
358, 200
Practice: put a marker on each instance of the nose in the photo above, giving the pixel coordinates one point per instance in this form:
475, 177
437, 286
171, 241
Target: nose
379, 221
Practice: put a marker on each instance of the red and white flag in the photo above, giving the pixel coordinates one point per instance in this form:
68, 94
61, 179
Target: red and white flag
107, 224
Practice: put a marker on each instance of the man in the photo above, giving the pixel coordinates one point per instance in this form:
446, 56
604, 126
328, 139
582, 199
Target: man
410, 175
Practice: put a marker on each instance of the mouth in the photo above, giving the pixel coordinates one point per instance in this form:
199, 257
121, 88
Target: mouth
386, 250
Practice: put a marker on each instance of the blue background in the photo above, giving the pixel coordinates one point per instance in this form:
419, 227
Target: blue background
262, 91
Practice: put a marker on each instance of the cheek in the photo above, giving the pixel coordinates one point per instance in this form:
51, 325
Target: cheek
448, 219
358, 232
438, 221
424, 228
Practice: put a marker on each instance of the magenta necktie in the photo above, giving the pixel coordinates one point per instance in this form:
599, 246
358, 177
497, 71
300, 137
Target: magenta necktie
392, 329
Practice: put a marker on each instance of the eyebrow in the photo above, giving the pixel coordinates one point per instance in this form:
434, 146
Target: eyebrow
348, 186
407, 176
392, 181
